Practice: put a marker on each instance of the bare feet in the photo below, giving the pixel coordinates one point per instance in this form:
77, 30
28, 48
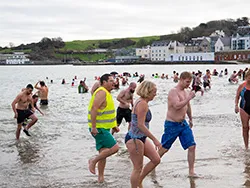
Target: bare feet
100, 179
194, 175
91, 166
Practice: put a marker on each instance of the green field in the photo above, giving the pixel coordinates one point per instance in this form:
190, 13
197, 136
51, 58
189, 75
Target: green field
84, 44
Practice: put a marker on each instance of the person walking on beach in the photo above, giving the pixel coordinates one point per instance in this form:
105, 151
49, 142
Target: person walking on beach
243, 92
102, 118
136, 139
125, 98
198, 83
175, 123
20, 108
43, 91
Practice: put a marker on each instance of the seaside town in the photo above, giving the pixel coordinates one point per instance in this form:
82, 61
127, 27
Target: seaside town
215, 48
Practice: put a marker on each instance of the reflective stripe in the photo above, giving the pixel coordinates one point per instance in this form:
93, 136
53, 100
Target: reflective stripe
104, 121
105, 112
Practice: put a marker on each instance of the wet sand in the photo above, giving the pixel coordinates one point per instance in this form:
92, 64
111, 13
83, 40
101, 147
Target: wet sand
57, 153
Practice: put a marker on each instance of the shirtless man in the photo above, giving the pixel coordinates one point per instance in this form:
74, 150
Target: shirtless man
233, 78
175, 124
125, 98
42, 92
20, 108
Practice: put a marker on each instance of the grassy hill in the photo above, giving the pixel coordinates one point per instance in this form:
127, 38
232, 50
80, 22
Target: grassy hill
85, 44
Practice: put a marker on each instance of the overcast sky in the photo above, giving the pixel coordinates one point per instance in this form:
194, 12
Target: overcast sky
26, 21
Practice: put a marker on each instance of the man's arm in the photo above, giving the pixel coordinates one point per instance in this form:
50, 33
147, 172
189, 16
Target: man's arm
36, 85
175, 101
189, 114
13, 104
100, 98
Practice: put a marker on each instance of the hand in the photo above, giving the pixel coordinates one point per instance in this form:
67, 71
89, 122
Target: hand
190, 124
115, 130
16, 115
191, 95
94, 131
157, 144
236, 109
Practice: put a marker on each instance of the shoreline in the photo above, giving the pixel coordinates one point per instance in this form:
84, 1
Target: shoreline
126, 63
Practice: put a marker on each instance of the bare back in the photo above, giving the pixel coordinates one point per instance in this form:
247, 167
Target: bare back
43, 92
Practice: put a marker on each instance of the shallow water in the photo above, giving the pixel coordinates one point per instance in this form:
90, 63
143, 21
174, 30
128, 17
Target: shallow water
57, 153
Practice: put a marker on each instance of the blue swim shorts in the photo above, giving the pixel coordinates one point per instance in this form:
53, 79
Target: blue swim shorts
172, 130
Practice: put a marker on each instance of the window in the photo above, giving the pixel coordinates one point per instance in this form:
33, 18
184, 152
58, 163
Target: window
152, 51
152, 55
194, 58
159, 50
152, 59
159, 54
201, 58
179, 58
156, 51
164, 54
186, 58
156, 54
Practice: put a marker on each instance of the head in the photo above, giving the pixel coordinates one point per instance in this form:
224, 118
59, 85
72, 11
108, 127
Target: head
132, 87
247, 76
42, 83
107, 81
29, 89
147, 90
185, 79
35, 98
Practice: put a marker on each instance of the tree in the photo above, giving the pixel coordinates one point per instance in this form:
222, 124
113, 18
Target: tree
11, 44
142, 42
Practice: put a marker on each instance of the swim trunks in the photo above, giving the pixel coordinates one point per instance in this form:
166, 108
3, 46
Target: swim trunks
104, 139
123, 113
22, 115
44, 102
172, 130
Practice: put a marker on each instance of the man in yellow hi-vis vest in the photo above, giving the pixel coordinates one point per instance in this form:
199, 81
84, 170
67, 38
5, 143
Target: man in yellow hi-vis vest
102, 118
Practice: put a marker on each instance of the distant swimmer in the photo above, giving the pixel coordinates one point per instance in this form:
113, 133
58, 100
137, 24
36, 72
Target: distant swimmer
20, 107
125, 97
102, 118
233, 78
198, 84
243, 93
43, 91
207, 79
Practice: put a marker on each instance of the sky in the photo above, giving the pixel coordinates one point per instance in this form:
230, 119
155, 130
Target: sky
27, 21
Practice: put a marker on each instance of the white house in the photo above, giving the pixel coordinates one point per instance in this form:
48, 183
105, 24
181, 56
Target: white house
161, 50
17, 58
239, 42
219, 33
144, 52
191, 57
223, 44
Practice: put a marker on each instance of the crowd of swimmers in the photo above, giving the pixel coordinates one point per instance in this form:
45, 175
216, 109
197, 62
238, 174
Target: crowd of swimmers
104, 119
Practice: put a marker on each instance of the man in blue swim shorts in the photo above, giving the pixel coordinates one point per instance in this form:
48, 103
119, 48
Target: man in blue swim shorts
175, 124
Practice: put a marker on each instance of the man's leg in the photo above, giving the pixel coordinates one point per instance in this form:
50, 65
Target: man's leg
104, 153
18, 130
191, 159
32, 122
101, 166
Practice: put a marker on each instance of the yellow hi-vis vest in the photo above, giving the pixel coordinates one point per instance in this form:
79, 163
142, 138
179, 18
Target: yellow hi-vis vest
106, 118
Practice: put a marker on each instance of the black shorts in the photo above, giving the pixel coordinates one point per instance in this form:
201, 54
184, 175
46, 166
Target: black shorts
44, 102
123, 113
197, 88
23, 114
206, 84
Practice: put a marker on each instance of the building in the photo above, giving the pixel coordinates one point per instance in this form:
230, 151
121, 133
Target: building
126, 59
144, 52
17, 58
233, 55
240, 42
223, 44
192, 57
161, 50
199, 44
